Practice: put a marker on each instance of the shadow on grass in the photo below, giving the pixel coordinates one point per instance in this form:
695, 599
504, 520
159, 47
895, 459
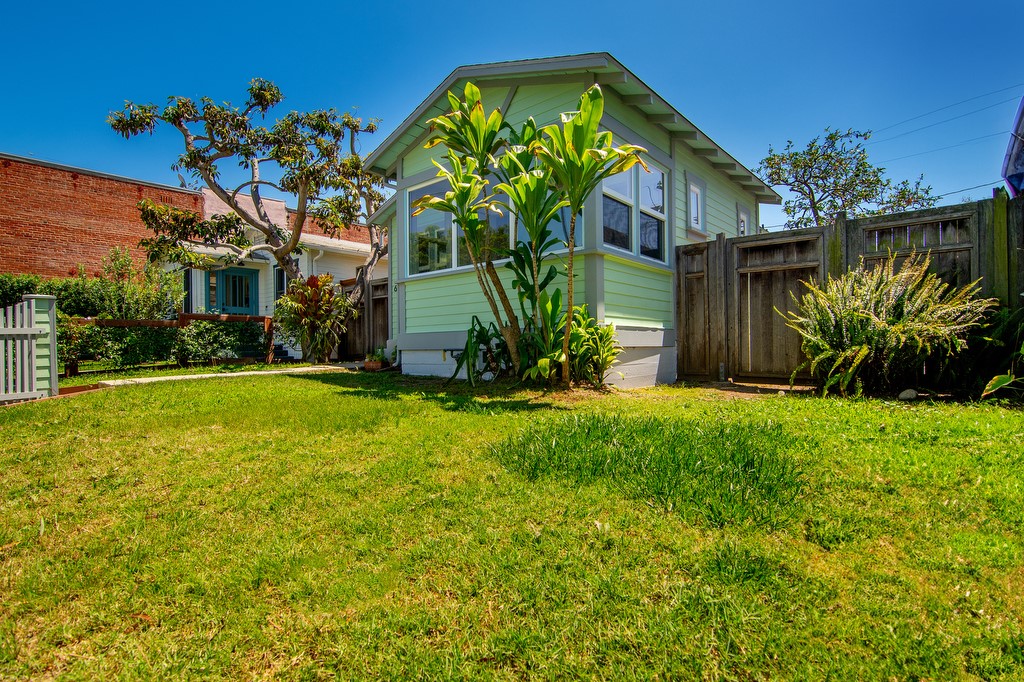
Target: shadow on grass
491, 398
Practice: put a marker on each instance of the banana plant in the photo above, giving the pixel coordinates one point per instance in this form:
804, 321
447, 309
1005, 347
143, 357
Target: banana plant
579, 157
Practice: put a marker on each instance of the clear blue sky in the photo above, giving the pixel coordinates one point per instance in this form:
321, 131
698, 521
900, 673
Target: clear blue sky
749, 74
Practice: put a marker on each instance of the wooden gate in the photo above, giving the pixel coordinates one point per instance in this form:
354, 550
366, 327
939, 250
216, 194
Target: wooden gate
728, 293
370, 330
765, 275
28, 350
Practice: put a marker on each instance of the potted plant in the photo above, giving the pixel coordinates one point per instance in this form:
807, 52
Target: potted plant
375, 360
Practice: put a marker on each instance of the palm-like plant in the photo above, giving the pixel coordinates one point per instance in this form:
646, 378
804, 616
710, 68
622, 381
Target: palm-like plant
469, 204
579, 157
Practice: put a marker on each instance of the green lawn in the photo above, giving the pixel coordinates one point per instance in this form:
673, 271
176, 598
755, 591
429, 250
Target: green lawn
110, 373
355, 526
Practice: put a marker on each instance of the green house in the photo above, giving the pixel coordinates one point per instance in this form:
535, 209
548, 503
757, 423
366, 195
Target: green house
625, 256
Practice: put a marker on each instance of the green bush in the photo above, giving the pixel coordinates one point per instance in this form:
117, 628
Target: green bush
79, 296
717, 473
199, 342
872, 331
133, 346
13, 287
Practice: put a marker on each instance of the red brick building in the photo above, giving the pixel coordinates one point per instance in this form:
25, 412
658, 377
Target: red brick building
54, 217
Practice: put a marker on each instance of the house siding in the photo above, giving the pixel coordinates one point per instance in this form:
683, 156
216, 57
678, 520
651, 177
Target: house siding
637, 296
634, 293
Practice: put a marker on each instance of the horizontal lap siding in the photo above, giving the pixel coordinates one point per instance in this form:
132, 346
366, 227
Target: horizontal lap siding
719, 203
636, 296
448, 303
545, 103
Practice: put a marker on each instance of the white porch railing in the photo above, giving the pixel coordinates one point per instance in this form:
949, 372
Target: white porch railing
28, 349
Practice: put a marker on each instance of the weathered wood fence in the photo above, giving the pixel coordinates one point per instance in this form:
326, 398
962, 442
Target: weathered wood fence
370, 329
28, 349
728, 290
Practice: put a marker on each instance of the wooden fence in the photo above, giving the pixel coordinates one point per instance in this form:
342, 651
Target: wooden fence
28, 349
730, 291
370, 329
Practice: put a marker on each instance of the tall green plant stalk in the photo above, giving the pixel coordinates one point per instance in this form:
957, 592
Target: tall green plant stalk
473, 141
580, 156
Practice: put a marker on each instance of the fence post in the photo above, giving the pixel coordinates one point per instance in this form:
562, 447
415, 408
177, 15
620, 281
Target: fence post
1000, 273
44, 314
836, 256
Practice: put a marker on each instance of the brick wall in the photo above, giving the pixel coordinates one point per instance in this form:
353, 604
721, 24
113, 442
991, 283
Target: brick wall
53, 218
353, 233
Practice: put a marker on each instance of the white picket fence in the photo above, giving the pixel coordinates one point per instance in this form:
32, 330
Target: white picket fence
28, 349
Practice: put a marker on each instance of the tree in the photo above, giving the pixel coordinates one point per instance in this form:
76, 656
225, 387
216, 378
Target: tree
580, 157
832, 175
311, 156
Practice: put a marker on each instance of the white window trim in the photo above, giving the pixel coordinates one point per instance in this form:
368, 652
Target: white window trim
698, 185
636, 209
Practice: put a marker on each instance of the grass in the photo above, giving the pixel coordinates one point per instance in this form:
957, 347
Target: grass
163, 370
365, 526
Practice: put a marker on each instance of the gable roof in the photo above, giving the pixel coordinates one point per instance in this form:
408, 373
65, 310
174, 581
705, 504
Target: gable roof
601, 68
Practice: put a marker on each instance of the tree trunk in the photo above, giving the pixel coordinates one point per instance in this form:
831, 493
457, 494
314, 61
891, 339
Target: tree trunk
569, 291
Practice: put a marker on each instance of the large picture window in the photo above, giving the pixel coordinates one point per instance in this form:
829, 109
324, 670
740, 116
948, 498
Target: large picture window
430, 234
496, 238
634, 203
559, 228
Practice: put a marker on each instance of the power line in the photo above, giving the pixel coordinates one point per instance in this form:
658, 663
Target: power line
956, 191
947, 120
940, 149
948, 106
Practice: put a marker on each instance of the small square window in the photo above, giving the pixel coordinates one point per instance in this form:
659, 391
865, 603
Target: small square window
697, 208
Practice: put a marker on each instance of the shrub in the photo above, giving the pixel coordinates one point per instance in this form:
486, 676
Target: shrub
79, 296
130, 293
199, 342
133, 346
717, 473
13, 287
312, 315
75, 342
872, 331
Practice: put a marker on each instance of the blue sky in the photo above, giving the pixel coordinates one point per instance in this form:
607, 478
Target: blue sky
749, 74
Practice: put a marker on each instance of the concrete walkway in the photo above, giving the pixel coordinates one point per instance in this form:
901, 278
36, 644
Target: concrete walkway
222, 375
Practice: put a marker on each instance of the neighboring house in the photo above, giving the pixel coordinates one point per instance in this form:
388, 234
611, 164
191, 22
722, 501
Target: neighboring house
627, 235
55, 218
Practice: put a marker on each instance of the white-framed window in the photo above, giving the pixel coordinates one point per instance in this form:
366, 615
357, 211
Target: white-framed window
634, 212
696, 194
430, 233
436, 244
743, 226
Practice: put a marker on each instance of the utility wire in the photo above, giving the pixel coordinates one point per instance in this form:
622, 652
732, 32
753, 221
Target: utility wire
987, 184
940, 149
948, 106
946, 120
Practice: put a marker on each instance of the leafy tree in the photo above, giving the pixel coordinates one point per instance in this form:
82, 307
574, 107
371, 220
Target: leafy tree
312, 156
580, 156
833, 174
